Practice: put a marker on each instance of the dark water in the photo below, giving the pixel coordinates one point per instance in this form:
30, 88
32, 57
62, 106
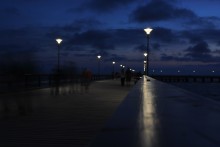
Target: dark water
208, 90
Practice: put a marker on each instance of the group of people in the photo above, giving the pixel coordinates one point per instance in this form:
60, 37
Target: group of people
126, 76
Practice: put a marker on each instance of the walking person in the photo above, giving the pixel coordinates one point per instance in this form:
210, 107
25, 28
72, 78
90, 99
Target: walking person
122, 77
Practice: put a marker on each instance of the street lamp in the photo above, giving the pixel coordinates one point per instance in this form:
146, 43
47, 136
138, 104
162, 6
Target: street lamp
148, 31
99, 58
58, 40
145, 60
113, 67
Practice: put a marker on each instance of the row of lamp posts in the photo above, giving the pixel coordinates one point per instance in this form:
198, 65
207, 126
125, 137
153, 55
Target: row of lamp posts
146, 55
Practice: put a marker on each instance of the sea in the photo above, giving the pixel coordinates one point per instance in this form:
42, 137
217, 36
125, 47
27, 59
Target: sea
208, 90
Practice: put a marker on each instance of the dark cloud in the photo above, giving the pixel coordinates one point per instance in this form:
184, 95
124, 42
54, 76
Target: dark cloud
200, 22
192, 36
109, 39
156, 46
198, 35
96, 38
217, 52
105, 6
128, 37
117, 58
141, 48
199, 52
9, 12
160, 10
165, 57
218, 43
164, 35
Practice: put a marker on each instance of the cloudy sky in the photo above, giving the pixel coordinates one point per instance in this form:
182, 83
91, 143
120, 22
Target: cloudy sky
185, 36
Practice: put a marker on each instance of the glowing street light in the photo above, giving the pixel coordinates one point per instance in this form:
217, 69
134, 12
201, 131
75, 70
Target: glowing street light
99, 59
58, 40
113, 68
148, 31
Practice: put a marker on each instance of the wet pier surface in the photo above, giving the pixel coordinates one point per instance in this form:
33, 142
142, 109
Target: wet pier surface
156, 114
40, 118
149, 114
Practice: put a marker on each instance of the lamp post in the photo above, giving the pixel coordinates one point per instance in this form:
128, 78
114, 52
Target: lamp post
58, 40
99, 58
145, 60
148, 31
113, 67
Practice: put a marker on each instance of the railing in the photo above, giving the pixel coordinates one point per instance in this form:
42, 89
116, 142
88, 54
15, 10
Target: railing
201, 79
157, 114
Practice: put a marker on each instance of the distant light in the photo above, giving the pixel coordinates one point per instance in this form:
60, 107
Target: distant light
145, 54
133, 70
161, 71
194, 71
153, 70
121, 65
99, 56
178, 70
148, 30
113, 62
213, 71
145, 61
59, 40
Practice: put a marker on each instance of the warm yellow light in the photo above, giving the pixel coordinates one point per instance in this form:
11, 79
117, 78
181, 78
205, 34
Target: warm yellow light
59, 40
148, 30
145, 54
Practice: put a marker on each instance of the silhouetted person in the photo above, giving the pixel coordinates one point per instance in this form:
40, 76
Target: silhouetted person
122, 77
85, 80
128, 76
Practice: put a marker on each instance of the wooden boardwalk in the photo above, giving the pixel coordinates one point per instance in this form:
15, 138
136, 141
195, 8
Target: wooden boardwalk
37, 118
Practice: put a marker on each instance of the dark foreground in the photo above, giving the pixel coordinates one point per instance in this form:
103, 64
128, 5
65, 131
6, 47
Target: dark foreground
39, 118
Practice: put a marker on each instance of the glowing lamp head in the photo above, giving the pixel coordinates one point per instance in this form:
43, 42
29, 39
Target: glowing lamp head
145, 54
98, 56
59, 40
148, 30
113, 62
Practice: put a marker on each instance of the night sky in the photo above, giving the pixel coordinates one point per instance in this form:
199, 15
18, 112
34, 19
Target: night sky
185, 36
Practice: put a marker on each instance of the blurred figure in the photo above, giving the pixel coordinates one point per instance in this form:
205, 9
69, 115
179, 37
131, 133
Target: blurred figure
128, 76
86, 80
122, 77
